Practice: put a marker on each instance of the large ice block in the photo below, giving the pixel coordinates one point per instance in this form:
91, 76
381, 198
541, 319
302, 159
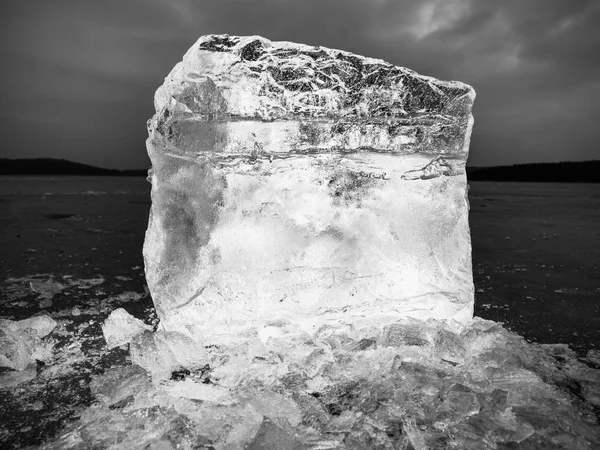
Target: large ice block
296, 186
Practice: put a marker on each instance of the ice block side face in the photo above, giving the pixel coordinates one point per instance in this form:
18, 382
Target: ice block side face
297, 186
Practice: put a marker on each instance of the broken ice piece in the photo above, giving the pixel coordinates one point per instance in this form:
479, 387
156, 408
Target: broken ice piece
21, 343
272, 437
46, 288
120, 328
163, 352
42, 324
305, 184
118, 384
17, 347
408, 333
279, 408
449, 346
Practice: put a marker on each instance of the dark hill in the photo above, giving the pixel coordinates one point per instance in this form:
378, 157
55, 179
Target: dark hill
51, 166
561, 172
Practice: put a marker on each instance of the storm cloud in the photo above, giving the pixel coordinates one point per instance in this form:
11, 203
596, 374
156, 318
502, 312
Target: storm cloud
78, 77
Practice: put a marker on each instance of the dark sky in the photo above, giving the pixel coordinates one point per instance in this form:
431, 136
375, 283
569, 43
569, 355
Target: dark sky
77, 77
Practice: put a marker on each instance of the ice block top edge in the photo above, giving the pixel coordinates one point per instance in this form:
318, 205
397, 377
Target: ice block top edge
248, 93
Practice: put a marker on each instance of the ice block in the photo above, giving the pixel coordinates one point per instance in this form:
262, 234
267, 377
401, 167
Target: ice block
296, 187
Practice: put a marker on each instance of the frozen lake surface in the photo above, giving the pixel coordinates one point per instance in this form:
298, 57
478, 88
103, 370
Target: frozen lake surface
536, 259
71, 247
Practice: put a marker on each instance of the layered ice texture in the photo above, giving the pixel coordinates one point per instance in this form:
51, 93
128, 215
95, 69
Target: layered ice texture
296, 187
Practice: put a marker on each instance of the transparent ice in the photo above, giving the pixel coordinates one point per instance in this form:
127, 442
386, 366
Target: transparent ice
303, 187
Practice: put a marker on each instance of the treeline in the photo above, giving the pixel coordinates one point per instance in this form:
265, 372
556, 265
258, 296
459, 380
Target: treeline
51, 166
561, 172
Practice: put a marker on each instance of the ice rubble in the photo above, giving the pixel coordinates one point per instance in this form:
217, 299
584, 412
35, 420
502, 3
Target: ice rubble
305, 185
413, 384
121, 327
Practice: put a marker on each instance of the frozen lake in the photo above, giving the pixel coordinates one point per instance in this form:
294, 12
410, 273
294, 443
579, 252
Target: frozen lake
536, 259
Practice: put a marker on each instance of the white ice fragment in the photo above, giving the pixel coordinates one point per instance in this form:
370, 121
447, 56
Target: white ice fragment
43, 324
87, 283
118, 385
21, 341
120, 328
413, 432
245, 430
162, 352
276, 406
271, 436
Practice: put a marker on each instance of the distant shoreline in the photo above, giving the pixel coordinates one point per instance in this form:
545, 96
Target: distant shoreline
559, 172
51, 166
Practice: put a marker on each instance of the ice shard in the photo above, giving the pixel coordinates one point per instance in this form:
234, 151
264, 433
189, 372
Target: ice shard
296, 187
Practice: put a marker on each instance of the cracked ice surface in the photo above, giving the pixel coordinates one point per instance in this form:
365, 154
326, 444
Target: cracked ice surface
296, 187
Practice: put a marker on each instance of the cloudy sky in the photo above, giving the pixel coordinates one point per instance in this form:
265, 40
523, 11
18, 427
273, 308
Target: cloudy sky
77, 77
